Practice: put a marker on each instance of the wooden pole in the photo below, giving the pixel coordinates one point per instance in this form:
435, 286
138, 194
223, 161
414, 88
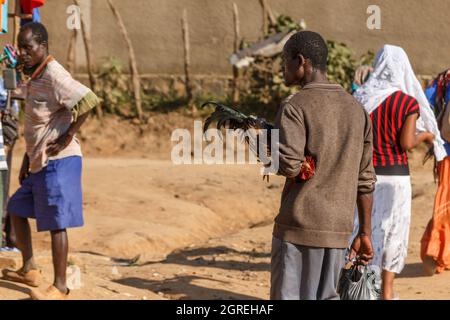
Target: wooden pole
237, 39
71, 52
265, 26
16, 22
267, 10
132, 56
89, 58
187, 60
237, 34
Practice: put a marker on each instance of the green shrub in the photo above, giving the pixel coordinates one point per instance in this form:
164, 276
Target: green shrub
263, 87
113, 87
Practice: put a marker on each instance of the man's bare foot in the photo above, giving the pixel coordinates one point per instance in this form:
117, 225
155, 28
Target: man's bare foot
390, 296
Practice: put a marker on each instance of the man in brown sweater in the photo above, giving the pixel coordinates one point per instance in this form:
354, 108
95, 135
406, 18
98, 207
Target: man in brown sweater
315, 221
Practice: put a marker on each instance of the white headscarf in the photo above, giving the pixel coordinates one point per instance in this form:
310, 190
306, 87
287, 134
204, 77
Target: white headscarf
393, 72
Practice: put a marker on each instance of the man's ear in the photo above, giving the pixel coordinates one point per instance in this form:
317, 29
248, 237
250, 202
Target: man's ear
301, 60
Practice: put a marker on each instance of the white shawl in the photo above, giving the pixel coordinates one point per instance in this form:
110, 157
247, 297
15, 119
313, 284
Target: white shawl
393, 72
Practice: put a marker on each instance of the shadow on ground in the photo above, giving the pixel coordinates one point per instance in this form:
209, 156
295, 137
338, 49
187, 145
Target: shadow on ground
12, 286
183, 288
412, 270
211, 257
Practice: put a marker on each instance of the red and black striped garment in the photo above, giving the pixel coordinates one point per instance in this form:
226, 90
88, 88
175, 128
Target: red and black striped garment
389, 158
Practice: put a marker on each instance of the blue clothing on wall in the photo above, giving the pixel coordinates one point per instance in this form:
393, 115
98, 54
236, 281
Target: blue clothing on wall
4, 99
5, 17
430, 93
36, 17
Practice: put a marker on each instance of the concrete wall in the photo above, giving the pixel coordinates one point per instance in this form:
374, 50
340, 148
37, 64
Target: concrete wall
154, 26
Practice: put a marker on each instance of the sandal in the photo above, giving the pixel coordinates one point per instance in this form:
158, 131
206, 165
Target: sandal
32, 278
52, 293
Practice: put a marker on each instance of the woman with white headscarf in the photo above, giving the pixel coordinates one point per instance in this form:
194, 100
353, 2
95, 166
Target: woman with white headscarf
401, 119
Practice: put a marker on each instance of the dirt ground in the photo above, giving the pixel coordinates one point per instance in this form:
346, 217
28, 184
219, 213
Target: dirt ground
154, 230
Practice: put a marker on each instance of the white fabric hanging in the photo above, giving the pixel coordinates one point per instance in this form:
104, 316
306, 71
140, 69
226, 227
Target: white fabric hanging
393, 72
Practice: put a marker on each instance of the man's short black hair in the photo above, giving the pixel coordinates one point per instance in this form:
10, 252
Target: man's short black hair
40, 33
311, 46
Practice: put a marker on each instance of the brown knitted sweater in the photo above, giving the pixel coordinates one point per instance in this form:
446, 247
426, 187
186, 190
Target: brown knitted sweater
323, 121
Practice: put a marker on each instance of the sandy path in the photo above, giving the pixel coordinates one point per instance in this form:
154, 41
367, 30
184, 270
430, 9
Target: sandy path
150, 207
202, 232
237, 266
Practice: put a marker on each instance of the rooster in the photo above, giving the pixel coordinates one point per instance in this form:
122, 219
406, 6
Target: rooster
236, 120
230, 118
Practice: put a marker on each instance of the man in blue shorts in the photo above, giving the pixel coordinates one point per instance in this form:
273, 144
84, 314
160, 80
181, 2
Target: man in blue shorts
56, 106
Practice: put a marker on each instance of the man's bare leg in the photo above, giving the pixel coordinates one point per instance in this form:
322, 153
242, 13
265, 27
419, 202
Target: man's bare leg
388, 285
10, 233
59, 252
23, 241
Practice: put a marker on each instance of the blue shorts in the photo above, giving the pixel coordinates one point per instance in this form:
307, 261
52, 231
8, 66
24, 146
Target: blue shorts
52, 196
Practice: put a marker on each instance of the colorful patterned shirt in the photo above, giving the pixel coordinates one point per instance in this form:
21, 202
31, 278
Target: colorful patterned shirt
53, 101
